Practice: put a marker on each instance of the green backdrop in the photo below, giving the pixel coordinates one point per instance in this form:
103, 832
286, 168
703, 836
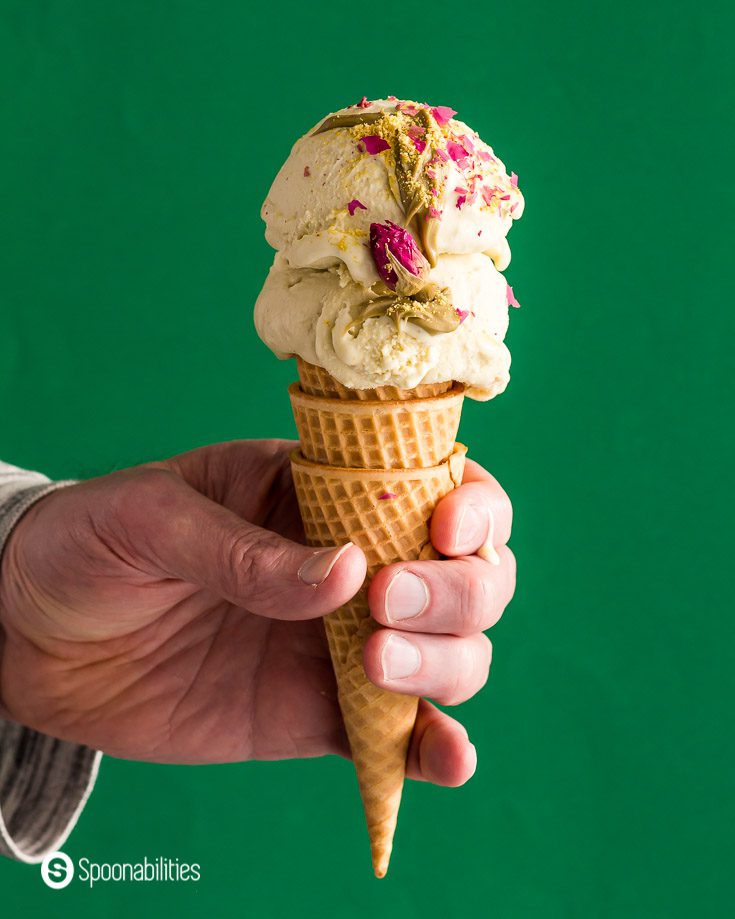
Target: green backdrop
137, 141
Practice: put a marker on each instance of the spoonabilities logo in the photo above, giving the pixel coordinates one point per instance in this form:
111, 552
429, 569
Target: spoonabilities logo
57, 870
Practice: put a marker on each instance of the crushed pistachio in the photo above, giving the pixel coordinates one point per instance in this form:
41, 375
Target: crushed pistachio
414, 190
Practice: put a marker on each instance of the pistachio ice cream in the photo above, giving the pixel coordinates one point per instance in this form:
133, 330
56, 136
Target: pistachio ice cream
390, 221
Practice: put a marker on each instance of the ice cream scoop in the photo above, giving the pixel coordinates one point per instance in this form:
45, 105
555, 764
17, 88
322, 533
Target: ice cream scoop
390, 220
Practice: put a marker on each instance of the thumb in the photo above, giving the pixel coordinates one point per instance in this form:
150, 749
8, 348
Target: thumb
197, 540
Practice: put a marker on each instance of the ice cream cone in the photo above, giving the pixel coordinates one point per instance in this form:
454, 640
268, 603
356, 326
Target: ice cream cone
318, 382
357, 434
385, 511
387, 269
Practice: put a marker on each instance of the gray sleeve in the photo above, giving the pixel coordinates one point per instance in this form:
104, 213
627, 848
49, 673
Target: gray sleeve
44, 782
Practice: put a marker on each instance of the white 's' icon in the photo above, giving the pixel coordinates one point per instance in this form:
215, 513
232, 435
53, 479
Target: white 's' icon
57, 870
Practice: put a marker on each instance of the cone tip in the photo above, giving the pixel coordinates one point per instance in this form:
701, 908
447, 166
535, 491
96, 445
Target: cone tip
380, 864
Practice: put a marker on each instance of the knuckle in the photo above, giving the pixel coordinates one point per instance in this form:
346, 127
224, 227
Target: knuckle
256, 567
470, 673
478, 599
454, 692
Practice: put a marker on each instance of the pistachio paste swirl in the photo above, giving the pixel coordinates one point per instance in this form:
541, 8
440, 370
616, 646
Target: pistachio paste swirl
430, 309
413, 137
347, 120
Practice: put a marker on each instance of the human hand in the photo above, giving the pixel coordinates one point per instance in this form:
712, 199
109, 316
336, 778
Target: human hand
166, 613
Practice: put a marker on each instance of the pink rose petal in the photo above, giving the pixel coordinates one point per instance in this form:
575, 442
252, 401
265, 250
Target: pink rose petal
434, 212
442, 114
440, 156
514, 180
419, 144
374, 144
386, 496
463, 314
354, 205
307, 172
510, 297
457, 152
489, 194
363, 103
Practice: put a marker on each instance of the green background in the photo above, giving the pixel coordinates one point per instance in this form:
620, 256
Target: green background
137, 141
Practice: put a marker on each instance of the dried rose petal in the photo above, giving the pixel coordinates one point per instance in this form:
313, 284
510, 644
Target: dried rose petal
457, 152
434, 212
354, 205
374, 144
399, 261
510, 297
514, 180
463, 314
419, 144
386, 496
489, 194
363, 103
307, 172
442, 114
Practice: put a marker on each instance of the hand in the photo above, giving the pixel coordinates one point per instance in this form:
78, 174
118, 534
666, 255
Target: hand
165, 613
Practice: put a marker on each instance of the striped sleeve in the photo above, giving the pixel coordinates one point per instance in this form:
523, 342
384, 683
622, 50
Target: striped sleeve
44, 782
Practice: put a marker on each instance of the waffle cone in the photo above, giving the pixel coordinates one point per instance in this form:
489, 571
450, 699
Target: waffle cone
386, 513
318, 382
396, 434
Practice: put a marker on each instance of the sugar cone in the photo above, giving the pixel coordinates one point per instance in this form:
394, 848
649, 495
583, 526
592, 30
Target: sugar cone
402, 434
344, 495
385, 512
317, 382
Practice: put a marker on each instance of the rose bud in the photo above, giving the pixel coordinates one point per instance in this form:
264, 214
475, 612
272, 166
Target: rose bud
398, 259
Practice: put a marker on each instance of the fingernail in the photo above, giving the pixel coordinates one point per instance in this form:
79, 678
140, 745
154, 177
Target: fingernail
472, 527
400, 658
406, 596
317, 569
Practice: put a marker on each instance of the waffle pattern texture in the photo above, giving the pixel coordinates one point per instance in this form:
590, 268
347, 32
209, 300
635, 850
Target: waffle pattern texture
386, 512
316, 381
385, 435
